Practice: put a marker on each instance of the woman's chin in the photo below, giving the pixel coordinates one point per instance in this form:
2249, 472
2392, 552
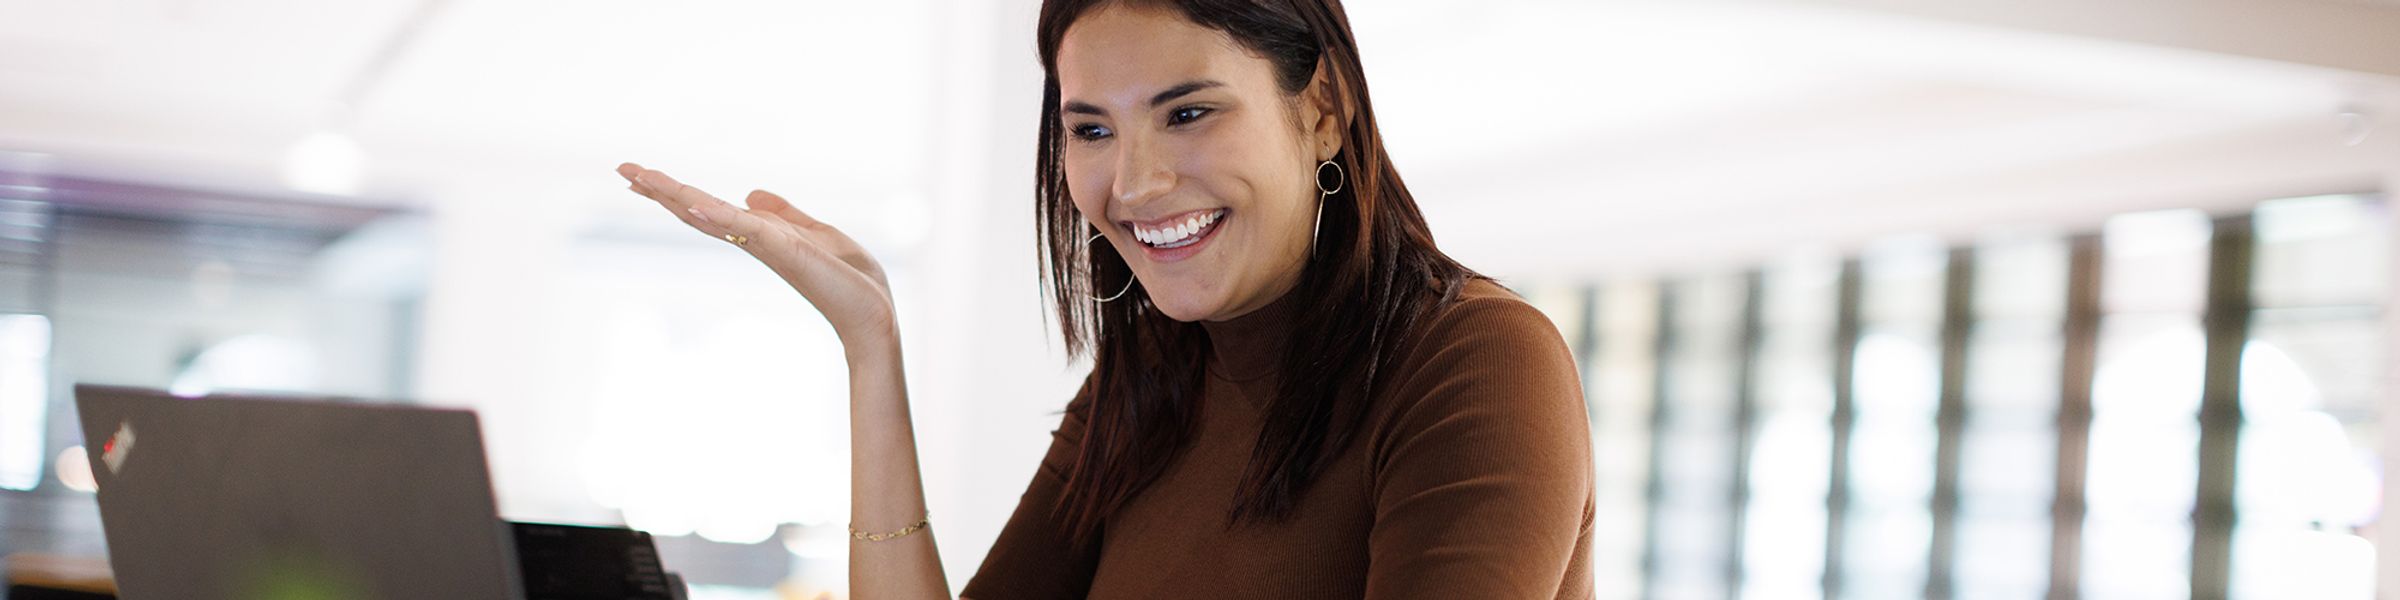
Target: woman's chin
1185, 305
1180, 312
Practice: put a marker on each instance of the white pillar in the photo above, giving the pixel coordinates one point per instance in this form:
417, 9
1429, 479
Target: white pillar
2385, 141
986, 372
498, 266
2387, 542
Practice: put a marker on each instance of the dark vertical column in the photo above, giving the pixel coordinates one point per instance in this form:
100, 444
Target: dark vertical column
1661, 392
1845, 414
2082, 357
1950, 420
2227, 323
1585, 340
1745, 424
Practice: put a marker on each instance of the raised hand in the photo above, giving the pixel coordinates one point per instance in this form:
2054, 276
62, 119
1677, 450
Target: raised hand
828, 268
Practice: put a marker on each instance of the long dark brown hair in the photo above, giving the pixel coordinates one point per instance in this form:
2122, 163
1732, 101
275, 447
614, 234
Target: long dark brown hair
1373, 272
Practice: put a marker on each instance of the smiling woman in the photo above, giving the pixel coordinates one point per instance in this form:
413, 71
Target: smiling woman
1294, 392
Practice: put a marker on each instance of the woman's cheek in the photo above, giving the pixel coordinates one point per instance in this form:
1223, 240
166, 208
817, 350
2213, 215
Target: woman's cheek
1087, 189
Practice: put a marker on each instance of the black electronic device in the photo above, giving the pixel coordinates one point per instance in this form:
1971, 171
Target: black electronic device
575, 562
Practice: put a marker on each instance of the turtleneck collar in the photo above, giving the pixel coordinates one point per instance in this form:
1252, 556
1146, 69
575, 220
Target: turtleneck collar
1248, 347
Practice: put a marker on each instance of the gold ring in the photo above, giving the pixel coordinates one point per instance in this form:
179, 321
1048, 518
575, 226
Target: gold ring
738, 239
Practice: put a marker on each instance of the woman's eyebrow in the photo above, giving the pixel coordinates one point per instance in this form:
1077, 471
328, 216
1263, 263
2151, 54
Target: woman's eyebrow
1180, 90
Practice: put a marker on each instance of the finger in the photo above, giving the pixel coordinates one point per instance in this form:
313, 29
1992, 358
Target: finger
646, 186
713, 216
758, 230
765, 210
662, 184
716, 216
767, 201
674, 208
633, 176
818, 234
686, 201
762, 201
633, 173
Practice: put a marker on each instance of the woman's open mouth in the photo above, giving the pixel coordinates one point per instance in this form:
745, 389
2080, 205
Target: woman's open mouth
1179, 239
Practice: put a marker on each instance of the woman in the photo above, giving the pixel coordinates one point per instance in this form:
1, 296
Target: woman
1294, 393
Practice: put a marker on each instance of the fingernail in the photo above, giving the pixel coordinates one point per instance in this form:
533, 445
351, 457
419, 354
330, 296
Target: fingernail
696, 213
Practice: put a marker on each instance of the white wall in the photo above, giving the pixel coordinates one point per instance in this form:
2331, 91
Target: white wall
986, 372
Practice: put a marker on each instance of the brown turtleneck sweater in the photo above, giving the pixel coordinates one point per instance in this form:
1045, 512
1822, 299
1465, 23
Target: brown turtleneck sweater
1473, 479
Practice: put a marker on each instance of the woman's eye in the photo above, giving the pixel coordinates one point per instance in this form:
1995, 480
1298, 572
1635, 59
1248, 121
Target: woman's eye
1186, 115
1089, 132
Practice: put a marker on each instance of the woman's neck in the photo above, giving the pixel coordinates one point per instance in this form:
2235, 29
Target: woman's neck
1249, 345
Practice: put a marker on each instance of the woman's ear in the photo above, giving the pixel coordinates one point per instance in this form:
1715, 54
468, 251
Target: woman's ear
1331, 110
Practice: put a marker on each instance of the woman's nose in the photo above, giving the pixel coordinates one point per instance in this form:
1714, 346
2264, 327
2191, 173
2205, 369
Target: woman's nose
1143, 172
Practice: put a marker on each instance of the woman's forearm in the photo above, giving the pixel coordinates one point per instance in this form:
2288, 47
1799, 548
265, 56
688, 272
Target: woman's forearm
887, 493
844, 283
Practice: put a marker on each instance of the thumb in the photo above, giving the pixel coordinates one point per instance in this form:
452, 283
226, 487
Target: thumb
762, 199
767, 201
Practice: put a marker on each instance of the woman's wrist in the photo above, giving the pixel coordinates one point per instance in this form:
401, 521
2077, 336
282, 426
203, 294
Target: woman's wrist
870, 347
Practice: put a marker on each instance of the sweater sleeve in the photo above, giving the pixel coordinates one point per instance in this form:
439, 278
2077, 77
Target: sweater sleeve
1482, 478
1034, 556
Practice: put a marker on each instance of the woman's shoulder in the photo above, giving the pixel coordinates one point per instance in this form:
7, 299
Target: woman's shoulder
1486, 372
1484, 336
1483, 320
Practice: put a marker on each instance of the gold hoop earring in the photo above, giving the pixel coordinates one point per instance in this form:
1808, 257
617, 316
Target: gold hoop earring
1340, 179
1087, 249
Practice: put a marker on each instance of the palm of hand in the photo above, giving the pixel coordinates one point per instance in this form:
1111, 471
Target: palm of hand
832, 271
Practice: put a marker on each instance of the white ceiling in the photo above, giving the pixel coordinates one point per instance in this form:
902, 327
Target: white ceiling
1541, 135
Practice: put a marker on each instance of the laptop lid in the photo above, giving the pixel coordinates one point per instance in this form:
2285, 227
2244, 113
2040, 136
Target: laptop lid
248, 497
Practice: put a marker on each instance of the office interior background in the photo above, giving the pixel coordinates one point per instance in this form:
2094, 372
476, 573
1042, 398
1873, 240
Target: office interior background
1874, 299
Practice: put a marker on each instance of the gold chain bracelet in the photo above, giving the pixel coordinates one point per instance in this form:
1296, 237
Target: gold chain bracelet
855, 534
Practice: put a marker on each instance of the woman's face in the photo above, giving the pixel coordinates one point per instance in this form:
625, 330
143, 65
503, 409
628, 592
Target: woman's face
1183, 151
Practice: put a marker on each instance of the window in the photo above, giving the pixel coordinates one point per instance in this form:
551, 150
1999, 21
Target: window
1620, 385
2143, 463
1897, 388
1783, 543
2306, 480
2009, 436
24, 399
2177, 405
130, 284
1693, 456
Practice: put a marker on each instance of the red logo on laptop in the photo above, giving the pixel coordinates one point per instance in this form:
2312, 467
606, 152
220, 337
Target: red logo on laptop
113, 453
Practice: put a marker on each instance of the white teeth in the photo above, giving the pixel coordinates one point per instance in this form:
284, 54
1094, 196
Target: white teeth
1178, 235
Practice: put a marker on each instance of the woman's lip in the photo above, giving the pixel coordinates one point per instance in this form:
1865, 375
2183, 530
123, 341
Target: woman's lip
1169, 255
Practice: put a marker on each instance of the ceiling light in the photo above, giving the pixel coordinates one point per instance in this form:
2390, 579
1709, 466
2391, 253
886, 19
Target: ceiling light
325, 162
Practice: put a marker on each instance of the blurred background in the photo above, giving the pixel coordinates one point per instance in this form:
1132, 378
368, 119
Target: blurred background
1874, 298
